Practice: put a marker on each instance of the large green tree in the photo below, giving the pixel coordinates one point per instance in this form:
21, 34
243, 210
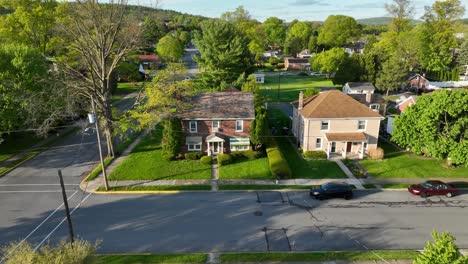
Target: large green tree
400, 11
299, 32
224, 54
338, 30
438, 34
392, 76
436, 126
170, 48
350, 70
329, 61
275, 30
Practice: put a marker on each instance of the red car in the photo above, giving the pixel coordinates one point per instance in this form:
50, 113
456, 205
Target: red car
429, 188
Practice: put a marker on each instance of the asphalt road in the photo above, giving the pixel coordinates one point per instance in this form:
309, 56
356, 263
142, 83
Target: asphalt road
254, 221
31, 193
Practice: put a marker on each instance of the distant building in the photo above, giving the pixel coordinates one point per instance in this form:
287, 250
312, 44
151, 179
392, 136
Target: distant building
296, 64
259, 77
150, 61
305, 54
355, 47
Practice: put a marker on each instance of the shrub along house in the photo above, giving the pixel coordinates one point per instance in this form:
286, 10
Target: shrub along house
335, 123
218, 122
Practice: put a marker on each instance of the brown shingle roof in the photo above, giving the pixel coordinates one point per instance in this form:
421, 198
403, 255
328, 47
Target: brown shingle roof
351, 136
148, 57
220, 105
367, 86
334, 104
297, 60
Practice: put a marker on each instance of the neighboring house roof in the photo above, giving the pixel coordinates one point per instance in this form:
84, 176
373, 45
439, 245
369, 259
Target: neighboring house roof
375, 98
305, 51
361, 86
220, 105
414, 98
297, 60
334, 104
148, 57
348, 136
414, 76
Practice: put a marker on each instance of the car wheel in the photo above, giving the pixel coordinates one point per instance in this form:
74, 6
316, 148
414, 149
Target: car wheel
449, 194
348, 197
319, 197
423, 195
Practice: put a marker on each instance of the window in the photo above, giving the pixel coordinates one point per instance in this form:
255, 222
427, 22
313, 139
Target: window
324, 125
361, 124
258, 79
374, 107
365, 145
318, 143
193, 126
239, 148
215, 124
194, 147
239, 125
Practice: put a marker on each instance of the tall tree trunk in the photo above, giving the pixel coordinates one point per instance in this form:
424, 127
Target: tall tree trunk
109, 131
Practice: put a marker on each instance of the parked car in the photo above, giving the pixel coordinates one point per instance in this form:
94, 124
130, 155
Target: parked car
315, 74
429, 188
332, 190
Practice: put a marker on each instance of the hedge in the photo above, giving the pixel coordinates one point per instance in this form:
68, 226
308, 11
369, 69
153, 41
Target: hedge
193, 155
278, 165
317, 154
224, 159
205, 160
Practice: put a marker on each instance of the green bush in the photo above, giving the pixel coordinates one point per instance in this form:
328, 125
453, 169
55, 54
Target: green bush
193, 155
278, 165
224, 159
251, 154
316, 154
205, 160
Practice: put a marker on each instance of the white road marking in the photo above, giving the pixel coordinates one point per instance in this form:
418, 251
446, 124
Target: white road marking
37, 227
61, 222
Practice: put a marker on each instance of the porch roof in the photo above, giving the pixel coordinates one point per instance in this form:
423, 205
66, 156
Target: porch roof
349, 136
214, 138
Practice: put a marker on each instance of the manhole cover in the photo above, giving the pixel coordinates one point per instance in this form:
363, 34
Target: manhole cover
258, 213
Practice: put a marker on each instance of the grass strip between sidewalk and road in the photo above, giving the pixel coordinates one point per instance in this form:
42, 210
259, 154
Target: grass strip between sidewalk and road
150, 258
158, 188
240, 187
320, 256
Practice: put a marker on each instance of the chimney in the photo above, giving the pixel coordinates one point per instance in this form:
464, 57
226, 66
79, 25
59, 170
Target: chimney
368, 97
301, 100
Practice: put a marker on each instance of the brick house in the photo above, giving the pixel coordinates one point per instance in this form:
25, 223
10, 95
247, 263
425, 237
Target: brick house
218, 122
411, 100
296, 64
418, 82
335, 123
150, 61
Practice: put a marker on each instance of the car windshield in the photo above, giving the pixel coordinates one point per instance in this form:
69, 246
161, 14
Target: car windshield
329, 186
426, 185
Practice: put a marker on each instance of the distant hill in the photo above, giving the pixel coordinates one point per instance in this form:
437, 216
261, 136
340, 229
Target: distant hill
380, 21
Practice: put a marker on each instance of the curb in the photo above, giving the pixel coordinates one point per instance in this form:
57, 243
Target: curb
143, 192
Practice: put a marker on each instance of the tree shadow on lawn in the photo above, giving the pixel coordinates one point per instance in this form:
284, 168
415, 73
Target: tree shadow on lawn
391, 170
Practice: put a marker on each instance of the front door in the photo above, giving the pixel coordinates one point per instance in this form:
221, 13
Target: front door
333, 147
215, 147
348, 146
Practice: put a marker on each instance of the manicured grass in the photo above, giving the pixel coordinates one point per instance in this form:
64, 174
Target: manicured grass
159, 188
240, 187
308, 169
16, 143
125, 88
290, 86
146, 163
150, 258
320, 256
247, 169
397, 164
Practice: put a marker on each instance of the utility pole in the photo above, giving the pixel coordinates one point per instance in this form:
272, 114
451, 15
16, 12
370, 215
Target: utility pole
279, 83
96, 123
67, 209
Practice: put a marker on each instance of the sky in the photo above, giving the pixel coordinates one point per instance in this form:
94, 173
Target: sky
310, 10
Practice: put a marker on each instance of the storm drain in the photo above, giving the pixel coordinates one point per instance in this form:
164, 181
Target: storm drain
270, 197
277, 240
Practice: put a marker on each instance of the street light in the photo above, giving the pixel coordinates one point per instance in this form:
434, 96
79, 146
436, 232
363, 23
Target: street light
93, 119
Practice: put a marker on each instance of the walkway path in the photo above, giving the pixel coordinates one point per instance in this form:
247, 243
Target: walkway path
214, 174
350, 175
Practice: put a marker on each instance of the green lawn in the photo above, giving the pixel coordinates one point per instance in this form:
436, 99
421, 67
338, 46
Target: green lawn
240, 187
290, 86
320, 256
159, 188
247, 169
16, 143
308, 169
150, 258
146, 163
125, 88
397, 164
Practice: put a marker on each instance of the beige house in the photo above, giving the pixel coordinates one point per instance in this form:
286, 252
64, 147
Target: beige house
335, 123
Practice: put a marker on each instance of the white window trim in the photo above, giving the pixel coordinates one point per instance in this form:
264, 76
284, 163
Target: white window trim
242, 125
365, 125
376, 105
194, 147
190, 126
239, 147
328, 126
213, 128
321, 143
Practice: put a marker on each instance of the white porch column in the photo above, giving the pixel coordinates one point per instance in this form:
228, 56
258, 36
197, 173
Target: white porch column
209, 149
361, 155
328, 150
222, 147
344, 150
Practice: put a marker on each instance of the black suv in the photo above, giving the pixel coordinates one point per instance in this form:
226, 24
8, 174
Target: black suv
332, 190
